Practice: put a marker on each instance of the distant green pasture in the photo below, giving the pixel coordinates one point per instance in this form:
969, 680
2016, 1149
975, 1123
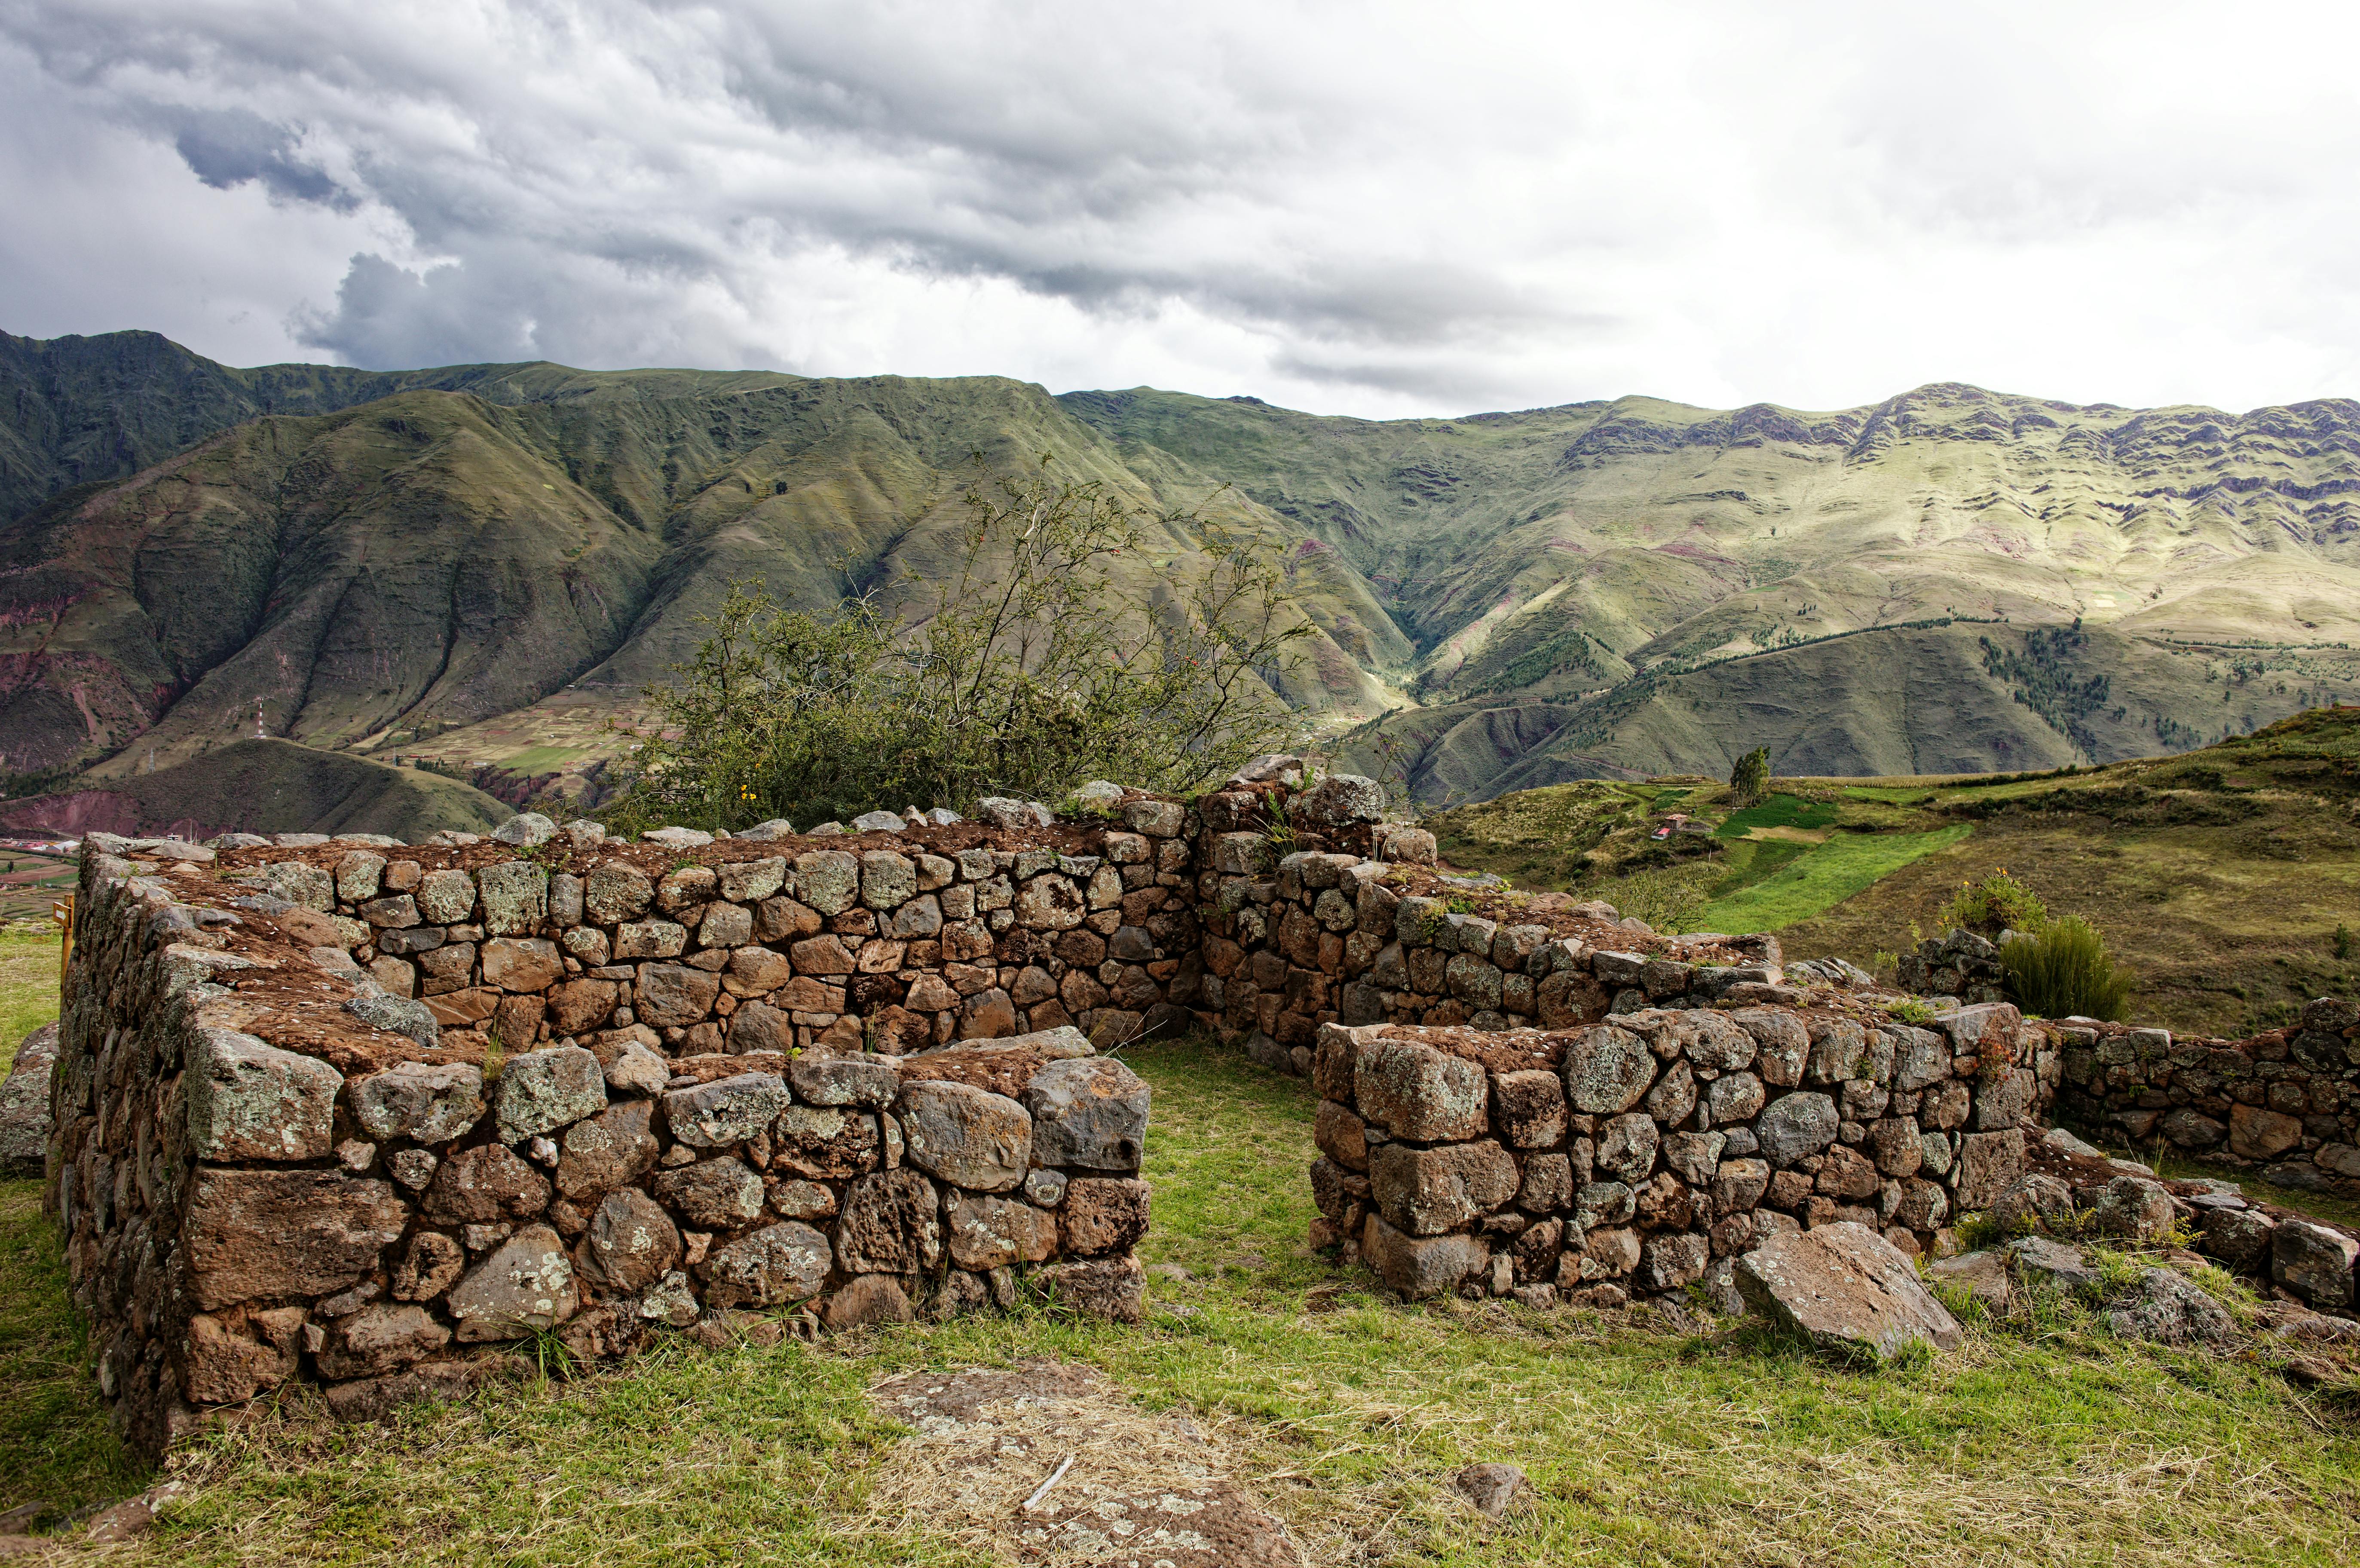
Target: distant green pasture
1835, 871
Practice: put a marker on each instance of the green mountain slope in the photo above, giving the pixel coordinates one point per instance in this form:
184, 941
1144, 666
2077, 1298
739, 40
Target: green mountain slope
262, 786
483, 563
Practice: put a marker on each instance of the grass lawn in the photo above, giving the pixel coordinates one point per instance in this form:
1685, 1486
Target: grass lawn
29, 986
1777, 811
1645, 1445
1829, 875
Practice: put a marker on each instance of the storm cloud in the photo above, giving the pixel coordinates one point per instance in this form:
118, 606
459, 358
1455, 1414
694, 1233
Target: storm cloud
1349, 208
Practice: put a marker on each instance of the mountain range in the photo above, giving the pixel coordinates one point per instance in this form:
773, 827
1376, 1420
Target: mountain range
481, 565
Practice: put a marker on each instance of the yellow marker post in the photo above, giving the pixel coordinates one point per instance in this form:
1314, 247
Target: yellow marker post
61, 912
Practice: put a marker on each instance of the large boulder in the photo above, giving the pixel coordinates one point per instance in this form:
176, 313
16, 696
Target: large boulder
1090, 1112
1845, 1289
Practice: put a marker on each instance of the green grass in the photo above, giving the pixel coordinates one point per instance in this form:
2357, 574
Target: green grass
1778, 811
1834, 871
29, 986
1645, 1445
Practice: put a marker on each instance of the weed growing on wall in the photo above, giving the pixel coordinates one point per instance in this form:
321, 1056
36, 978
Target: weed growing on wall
2063, 972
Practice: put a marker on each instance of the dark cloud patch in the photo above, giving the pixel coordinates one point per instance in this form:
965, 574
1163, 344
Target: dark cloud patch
226, 148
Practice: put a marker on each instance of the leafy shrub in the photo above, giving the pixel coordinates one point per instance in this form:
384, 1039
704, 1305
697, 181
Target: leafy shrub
1996, 903
2063, 970
1029, 671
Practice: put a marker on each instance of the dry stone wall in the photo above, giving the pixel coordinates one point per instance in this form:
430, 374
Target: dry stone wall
2285, 1104
351, 1110
1644, 1154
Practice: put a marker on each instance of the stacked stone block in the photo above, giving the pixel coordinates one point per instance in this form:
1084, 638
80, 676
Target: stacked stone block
2286, 1103
634, 1098
1639, 1154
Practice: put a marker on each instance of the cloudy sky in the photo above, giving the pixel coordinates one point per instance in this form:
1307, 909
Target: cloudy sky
1343, 208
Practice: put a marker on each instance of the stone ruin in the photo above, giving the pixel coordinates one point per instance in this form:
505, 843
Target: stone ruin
346, 1108
349, 1108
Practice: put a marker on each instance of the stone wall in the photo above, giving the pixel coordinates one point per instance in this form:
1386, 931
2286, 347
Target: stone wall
2285, 1104
1366, 931
352, 1110
1641, 1154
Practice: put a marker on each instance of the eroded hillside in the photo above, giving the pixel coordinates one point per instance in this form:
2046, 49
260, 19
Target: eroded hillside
484, 565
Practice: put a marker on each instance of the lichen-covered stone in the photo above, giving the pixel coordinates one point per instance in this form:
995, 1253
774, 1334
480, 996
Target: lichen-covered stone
1607, 1070
515, 897
446, 897
484, 1185
995, 1232
1795, 1125
1413, 1090
617, 891
1088, 1111
821, 1078
542, 1090
726, 1111
768, 1268
428, 1103
612, 1149
249, 1101
968, 1136
712, 1194
526, 1283
827, 880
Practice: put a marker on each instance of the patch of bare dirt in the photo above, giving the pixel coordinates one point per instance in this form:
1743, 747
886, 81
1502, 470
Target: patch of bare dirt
1140, 1491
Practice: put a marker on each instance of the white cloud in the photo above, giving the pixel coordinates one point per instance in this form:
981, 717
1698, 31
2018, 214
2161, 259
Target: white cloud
1364, 210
